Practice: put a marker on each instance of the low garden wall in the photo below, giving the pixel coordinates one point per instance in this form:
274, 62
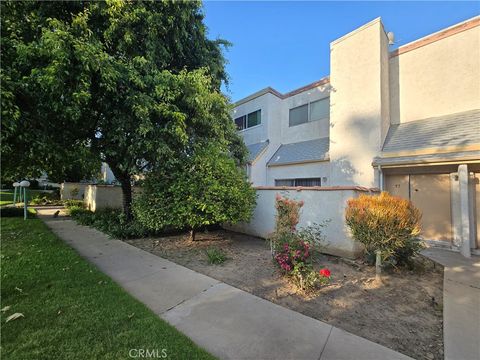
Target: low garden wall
72, 191
320, 204
105, 196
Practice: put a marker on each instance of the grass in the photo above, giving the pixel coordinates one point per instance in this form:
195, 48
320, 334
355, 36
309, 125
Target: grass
6, 196
215, 256
71, 310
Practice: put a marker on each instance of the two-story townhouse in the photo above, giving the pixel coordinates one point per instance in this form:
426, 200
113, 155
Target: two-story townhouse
288, 141
406, 121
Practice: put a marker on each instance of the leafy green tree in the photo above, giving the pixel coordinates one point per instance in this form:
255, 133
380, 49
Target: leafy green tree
203, 189
136, 83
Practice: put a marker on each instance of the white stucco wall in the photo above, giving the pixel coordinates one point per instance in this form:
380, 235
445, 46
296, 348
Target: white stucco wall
67, 190
103, 196
275, 128
257, 133
259, 169
320, 205
356, 104
307, 131
442, 77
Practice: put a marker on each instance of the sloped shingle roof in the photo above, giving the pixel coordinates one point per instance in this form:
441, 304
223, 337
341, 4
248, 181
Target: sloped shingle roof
460, 129
254, 150
428, 158
312, 150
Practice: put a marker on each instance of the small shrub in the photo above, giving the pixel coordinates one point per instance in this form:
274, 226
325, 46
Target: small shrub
46, 199
385, 223
288, 214
293, 249
81, 215
215, 256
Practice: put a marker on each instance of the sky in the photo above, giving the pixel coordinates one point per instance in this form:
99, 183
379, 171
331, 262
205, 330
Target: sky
286, 44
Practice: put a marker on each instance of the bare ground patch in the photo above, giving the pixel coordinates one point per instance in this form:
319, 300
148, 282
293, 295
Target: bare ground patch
404, 312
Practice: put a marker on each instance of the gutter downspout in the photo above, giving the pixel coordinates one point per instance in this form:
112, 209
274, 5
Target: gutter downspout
380, 178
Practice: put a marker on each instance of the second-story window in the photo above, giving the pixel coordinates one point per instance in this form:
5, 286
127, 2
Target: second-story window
313, 111
250, 120
241, 122
298, 115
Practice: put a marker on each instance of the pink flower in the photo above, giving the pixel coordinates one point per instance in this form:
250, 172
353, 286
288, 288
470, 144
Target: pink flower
325, 272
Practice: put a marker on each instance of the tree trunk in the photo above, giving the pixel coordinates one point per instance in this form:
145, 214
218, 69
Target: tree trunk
192, 235
125, 181
127, 197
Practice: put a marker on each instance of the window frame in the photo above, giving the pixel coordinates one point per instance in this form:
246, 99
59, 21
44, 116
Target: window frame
318, 100
295, 108
245, 120
294, 181
309, 114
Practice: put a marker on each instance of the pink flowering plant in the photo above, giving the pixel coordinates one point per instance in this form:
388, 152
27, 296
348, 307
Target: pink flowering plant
293, 249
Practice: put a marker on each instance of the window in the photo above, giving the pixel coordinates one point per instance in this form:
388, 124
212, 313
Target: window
253, 119
320, 109
313, 111
240, 122
285, 182
299, 182
248, 121
298, 115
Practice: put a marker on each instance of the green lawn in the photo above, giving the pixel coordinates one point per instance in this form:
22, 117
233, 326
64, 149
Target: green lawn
6, 196
71, 310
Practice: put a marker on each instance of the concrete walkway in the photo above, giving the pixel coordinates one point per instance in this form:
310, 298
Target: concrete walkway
461, 303
228, 322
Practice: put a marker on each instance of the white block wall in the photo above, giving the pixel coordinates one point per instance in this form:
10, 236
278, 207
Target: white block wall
326, 203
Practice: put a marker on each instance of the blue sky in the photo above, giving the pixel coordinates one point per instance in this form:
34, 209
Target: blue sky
286, 44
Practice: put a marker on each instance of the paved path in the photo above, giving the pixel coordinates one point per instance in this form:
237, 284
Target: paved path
461, 304
228, 322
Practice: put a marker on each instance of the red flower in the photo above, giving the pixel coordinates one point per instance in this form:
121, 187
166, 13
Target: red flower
325, 272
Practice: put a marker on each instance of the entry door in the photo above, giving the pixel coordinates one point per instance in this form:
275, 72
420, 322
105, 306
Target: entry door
431, 195
398, 185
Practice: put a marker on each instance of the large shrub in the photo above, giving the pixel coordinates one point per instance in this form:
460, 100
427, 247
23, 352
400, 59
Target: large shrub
204, 188
385, 223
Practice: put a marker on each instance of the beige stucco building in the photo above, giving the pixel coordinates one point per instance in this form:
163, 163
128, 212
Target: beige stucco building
406, 121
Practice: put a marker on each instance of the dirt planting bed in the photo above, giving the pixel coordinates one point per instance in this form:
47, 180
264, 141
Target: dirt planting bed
402, 312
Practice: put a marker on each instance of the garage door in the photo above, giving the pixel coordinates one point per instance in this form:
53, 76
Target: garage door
431, 195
